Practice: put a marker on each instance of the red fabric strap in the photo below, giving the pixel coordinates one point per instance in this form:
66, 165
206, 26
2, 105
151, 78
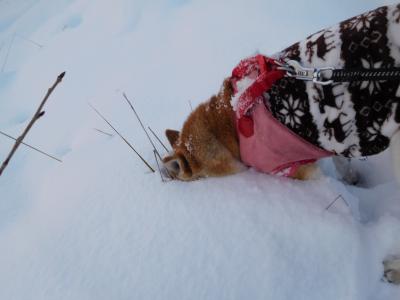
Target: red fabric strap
266, 72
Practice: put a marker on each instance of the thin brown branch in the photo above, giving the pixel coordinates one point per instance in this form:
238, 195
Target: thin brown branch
141, 124
158, 166
8, 53
29, 40
29, 146
103, 132
117, 132
158, 139
39, 112
166, 169
334, 201
190, 104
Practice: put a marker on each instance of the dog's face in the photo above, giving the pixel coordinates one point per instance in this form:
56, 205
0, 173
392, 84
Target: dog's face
192, 159
180, 164
207, 145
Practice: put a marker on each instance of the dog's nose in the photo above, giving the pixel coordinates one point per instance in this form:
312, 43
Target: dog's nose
171, 167
174, 167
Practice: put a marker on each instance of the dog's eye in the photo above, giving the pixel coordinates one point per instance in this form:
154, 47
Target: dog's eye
184, 166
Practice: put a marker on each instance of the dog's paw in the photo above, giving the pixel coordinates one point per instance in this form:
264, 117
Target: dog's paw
392, 270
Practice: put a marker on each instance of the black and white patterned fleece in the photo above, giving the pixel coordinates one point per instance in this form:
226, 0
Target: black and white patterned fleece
351, 119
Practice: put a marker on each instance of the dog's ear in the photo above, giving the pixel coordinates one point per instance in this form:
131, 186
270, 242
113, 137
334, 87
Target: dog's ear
172, 136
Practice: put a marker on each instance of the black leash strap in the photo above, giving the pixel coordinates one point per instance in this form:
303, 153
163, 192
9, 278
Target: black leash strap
365, 75
330, 75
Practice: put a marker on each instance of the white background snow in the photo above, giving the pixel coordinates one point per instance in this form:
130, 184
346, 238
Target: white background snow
100, 226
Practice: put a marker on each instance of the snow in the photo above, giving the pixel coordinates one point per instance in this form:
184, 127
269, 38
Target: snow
101, 226
242, 86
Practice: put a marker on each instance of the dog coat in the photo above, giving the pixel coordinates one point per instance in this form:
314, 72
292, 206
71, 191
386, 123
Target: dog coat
350, 119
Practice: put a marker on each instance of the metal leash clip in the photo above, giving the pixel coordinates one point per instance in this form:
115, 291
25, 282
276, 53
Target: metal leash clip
295, 70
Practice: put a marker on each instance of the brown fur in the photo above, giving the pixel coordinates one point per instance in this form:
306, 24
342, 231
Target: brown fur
208, 144
305, 172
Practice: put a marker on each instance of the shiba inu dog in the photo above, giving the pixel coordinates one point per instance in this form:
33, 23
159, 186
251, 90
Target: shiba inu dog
281, 125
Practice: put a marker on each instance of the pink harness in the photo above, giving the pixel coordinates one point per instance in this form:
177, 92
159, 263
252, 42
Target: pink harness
265, 143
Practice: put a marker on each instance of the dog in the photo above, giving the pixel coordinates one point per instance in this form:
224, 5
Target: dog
281, 125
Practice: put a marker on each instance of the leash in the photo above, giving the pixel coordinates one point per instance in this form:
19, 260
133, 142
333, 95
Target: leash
330, 75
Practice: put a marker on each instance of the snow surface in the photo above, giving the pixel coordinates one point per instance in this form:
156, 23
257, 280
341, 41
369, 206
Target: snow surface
100, 226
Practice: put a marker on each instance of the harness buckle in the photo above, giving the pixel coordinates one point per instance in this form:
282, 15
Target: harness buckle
317, 75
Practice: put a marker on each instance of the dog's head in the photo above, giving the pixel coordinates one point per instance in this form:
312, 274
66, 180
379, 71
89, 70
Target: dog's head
207, 145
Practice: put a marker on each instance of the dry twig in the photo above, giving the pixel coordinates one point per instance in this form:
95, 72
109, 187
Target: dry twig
8, 53
29, 146
141, 124
39, 113
158, 166
190, 104
103, 132
29, 40
117, 132
158, 139
334, 201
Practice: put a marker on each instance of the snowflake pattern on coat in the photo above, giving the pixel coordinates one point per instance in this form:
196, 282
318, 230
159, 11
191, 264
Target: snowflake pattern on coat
351, 119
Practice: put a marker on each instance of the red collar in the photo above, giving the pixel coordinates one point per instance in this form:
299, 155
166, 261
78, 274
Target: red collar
265, 72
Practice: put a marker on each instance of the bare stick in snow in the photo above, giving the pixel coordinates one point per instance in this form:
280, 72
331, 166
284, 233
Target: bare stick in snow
158, 139
117, 132
158, 166
33, 148
29, 40
141, 124
38, 114
166, 169
8, 53
103, 132
190, 104
334, 201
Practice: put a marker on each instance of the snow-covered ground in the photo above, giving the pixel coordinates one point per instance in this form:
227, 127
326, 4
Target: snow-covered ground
100, 226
